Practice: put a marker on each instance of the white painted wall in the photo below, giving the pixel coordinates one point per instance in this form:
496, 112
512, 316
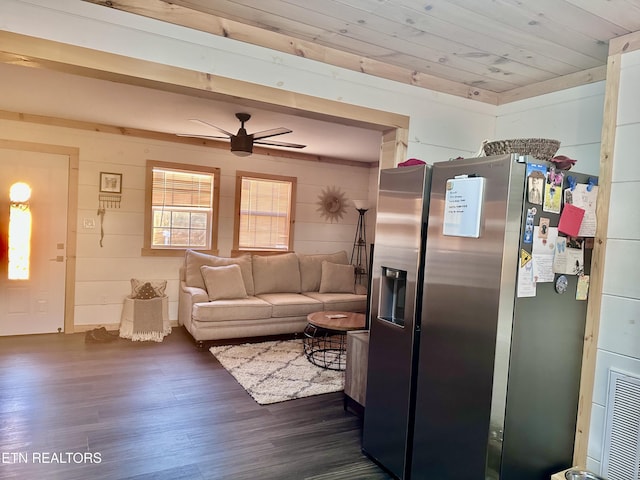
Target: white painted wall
572, 116
619, 337
103, 273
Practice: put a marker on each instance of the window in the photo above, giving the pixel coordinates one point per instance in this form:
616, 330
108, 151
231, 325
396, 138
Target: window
181, 208
19, 231
265, 211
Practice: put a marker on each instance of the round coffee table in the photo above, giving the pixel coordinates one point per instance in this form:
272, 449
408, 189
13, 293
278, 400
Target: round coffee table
325, 337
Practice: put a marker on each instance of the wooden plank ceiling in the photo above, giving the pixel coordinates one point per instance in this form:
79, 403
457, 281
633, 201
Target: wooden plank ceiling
494, 51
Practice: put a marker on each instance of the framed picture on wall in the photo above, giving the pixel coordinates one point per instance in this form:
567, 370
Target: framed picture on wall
110, 182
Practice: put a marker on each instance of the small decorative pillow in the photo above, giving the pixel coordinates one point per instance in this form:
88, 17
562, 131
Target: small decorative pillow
194, 260
337, 278
146, 292
311, 268
224, 282
158, 286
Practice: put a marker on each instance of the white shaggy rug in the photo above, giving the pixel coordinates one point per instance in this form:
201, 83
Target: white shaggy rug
276, 371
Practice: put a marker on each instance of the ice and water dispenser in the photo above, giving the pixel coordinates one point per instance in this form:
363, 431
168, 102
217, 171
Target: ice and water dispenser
393, 290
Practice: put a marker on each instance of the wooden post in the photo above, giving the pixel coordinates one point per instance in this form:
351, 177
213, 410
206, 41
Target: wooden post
596, 279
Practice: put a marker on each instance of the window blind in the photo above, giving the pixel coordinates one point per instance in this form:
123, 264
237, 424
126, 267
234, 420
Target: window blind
264, 214
173, 188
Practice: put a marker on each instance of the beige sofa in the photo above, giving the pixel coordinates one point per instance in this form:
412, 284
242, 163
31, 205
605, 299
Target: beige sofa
254, 295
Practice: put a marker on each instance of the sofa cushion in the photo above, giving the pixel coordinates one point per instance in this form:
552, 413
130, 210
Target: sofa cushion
291, 304
337, 278
224, 283
276, 273
341, 302
194, 260
311, 268
250, 308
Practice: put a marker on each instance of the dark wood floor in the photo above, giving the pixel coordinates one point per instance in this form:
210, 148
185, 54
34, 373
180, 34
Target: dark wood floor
162, 411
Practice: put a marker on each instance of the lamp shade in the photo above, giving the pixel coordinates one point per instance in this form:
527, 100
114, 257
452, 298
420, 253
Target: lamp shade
19, 192
361, 204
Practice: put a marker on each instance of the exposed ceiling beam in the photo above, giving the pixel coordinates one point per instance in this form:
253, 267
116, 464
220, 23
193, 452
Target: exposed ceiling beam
34, 52
197, 20
584, 77
204, 22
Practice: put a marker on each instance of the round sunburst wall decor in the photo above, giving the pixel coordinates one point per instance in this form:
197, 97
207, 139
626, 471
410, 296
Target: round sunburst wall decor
332, 204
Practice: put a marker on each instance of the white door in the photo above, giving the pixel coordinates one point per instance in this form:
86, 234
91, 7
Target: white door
35, 305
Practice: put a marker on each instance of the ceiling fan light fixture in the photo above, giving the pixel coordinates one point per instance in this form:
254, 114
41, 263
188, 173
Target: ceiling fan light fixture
242, 142
239, 153
242, 146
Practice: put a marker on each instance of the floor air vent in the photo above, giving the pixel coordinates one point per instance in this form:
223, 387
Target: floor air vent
621, 458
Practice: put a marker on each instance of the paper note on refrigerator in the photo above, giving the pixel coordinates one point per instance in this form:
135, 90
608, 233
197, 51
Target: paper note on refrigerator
526, 279
583, 197
582, 290
571, 220
553, 192
536, 175
560, 255
463, 204
569, 256
543, 250
575, 261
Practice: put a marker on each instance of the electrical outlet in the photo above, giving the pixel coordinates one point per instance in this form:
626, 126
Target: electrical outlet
89, 223
103, 299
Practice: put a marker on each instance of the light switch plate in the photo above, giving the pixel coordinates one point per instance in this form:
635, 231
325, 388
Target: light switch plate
89, 222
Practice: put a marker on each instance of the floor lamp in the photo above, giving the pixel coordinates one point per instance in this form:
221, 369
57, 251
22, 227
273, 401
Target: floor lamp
359, 257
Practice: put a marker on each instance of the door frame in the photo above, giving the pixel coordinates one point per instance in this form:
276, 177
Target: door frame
73, 154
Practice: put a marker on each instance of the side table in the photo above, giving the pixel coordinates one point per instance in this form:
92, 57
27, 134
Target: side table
355, 380
324, 337
138, 315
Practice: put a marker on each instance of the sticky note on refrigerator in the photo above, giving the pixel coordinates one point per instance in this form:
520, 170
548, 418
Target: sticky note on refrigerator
582, 290
570, 220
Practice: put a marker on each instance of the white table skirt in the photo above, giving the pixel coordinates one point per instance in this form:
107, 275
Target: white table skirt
127, 319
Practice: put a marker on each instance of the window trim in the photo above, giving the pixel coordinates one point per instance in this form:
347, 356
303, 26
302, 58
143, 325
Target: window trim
148, 199
236, 224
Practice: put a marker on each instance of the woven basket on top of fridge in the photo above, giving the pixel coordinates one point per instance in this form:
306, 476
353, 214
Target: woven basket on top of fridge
540, 148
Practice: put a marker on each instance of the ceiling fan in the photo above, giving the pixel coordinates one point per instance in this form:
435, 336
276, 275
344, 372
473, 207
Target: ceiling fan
242, 142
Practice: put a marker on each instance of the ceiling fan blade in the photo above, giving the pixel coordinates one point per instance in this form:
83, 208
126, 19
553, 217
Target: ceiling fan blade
202, 122
278, 144
270, 133
200, 136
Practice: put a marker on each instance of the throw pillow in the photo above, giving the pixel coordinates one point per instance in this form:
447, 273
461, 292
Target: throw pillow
194, 260
276, 273
224, 283
311, 268
146, 292
159, 287
337, 278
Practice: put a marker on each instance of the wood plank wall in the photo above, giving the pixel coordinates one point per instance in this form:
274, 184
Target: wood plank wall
617, 48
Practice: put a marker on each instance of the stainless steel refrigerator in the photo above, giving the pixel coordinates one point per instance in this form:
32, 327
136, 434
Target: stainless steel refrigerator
396, 286
471, 375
